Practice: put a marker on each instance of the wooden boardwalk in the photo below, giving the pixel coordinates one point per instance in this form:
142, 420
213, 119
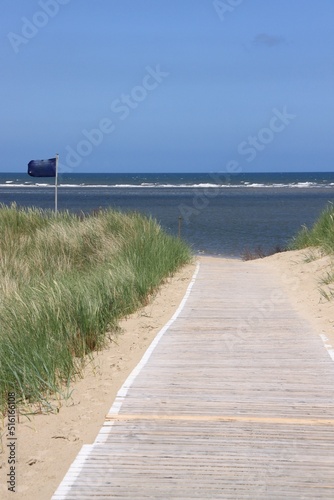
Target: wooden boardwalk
235, 400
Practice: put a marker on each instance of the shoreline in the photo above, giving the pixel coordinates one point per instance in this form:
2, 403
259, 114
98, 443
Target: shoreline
48, 443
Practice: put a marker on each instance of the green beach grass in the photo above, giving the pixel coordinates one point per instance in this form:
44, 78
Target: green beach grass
320, 235
65, 281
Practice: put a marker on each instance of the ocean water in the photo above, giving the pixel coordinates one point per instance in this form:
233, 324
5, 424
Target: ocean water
221, 215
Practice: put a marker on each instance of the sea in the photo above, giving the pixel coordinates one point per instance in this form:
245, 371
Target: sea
217, 214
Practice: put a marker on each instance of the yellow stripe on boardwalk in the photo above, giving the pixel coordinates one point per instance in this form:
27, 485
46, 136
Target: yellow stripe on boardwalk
233, 400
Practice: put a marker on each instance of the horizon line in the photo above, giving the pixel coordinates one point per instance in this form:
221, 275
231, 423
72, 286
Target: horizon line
187, 173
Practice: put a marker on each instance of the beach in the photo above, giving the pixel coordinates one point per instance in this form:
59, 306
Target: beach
48, 443
167, 251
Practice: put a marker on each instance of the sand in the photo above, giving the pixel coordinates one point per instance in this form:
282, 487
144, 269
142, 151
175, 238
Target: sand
301, 273
48, 442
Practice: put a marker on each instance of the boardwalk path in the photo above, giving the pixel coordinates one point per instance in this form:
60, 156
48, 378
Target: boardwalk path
236, 401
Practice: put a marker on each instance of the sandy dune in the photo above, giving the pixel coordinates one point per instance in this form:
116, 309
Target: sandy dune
48, 443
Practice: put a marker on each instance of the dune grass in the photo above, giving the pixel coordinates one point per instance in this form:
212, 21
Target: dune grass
65, 281
320, 235
319, 241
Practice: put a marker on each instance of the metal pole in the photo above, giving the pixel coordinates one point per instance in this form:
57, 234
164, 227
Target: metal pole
180, 224
56, 185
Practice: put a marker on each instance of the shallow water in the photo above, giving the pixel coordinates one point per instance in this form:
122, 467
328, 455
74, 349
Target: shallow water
218, 219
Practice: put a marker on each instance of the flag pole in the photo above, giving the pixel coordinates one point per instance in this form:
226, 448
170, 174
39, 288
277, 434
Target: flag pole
56, 185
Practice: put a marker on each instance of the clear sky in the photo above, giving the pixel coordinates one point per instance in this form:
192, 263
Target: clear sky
168, 85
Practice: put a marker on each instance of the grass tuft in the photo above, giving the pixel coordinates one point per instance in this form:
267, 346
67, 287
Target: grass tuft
320, 235
65, 281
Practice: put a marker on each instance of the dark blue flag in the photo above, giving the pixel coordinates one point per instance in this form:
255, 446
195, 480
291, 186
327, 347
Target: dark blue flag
42, 168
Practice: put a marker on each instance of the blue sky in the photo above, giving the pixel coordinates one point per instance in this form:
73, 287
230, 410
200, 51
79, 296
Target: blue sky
168, 85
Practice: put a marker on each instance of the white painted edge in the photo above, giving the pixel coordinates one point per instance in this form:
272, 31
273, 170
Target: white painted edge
72, 473
78, 463
328, 346
114, 410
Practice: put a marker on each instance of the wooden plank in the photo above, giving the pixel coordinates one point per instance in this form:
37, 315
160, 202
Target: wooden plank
235, 400
225, 418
